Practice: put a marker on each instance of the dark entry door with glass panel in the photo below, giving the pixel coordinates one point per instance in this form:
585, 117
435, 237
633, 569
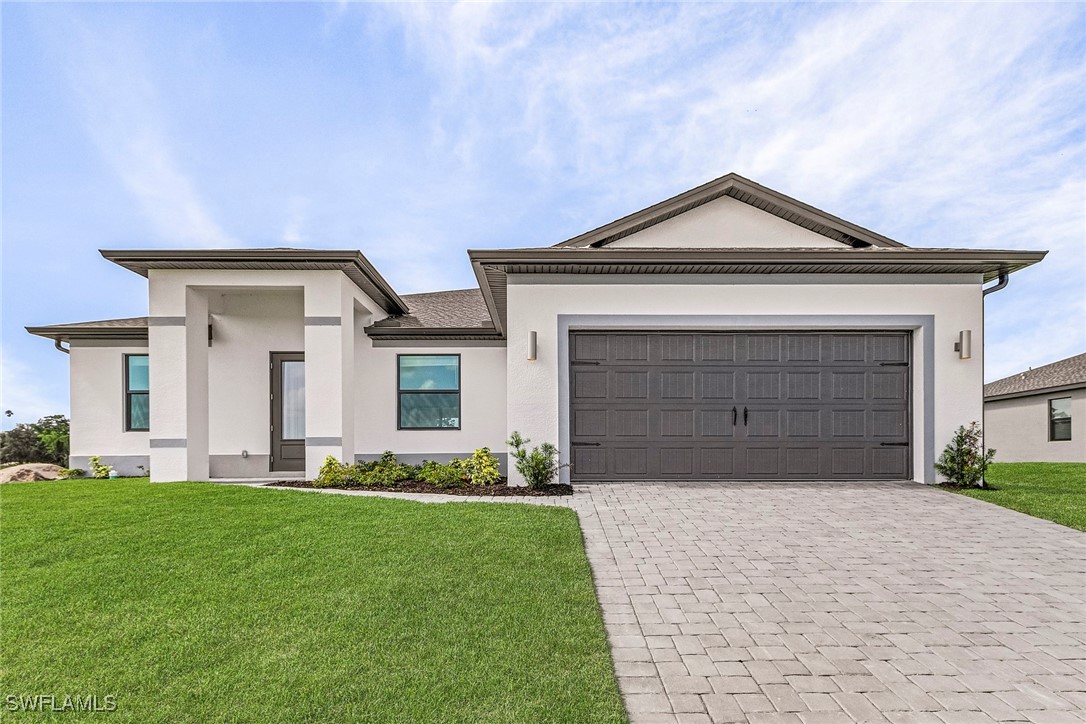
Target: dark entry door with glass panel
287, 411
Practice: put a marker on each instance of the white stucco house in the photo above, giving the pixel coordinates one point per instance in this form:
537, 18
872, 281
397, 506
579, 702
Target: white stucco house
1038, 415
728, 333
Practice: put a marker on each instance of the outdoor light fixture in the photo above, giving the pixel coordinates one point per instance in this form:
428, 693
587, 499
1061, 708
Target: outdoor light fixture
531, 346
964, 345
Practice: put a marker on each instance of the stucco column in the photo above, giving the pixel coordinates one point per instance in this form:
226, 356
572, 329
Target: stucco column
329, 373
177, 345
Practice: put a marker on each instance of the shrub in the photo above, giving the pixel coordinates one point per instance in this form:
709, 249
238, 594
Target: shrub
98, 470
964, 462
537, 466
482, 468
333, 473
68, 473
387, 471
449, 475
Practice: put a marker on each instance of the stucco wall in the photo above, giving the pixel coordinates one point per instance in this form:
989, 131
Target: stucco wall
947, 397
248, 326
97, 405
482, 403
1018, 429
725, 223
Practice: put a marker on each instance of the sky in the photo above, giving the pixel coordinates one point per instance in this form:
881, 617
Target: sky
414, 132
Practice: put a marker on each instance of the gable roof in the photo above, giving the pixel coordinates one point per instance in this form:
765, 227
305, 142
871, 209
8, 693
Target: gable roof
741, 189
352, 263
1065, 374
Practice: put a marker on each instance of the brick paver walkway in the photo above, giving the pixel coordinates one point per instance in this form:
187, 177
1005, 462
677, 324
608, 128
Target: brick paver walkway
829, 602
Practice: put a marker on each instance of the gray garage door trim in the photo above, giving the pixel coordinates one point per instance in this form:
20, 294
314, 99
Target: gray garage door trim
739, 404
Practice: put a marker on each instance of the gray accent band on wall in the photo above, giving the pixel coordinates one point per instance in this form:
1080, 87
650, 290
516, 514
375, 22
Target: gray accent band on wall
165, 321
418, 458
127, 465
323, 321
324, 441
169, 442
922, 324
235, 466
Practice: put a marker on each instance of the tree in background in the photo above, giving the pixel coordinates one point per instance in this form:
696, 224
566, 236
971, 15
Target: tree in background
44, 441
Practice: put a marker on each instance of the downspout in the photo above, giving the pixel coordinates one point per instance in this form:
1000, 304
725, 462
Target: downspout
56, 343
1004, 279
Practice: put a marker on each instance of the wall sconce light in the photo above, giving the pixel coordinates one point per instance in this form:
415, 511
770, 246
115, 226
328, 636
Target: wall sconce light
531, 346
964, 345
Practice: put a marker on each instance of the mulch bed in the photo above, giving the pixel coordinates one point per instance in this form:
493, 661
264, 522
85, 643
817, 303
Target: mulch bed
501, 490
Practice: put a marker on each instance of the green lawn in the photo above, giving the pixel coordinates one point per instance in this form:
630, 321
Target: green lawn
197, 602
1054, 491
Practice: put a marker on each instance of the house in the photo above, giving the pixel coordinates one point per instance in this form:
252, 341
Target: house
1038, 415
728, 333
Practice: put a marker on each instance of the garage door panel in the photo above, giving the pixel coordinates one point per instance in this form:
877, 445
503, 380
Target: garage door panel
665, 405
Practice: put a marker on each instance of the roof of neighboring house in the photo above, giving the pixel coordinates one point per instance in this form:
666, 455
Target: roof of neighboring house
1067, 374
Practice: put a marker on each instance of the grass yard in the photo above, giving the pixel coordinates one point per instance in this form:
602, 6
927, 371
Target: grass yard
1054, 491
198, 602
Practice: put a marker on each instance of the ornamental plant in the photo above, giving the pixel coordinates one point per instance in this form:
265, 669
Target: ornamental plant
481, 468
98, 470
332, 474
964, 461
537, 466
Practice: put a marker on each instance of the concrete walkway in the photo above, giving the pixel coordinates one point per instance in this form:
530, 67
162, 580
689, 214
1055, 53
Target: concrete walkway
827, 602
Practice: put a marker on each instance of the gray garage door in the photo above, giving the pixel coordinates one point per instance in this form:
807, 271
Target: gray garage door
731, 406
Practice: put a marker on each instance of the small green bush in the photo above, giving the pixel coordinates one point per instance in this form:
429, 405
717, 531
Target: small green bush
448, 475
332, 474
98, 470
68, 473
964, 461
385, 472
482, 468
537, 466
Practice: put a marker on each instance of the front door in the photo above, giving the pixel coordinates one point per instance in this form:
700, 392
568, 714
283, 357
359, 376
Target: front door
287, 411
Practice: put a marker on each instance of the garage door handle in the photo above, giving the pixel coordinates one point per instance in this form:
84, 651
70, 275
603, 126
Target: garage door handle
583, 362
893, 364
589, 444
894, 444
744, 417
735, 416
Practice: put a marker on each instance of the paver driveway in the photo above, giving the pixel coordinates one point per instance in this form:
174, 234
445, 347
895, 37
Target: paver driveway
832, 602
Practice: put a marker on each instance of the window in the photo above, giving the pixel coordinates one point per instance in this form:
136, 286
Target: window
1059, 419
429, 391
137, 414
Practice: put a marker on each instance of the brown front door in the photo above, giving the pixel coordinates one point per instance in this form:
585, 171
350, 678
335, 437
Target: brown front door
287, 411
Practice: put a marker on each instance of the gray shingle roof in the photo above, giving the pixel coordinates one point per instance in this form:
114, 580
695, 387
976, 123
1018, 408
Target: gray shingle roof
1065, 373
455, 308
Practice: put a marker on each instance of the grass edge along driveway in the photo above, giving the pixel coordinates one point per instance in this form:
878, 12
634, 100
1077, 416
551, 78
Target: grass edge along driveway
194, 602
1053, 491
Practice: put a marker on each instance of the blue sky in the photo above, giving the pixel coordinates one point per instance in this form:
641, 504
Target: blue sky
414, 132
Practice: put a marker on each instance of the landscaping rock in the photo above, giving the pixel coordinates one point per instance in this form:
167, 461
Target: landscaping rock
30, 472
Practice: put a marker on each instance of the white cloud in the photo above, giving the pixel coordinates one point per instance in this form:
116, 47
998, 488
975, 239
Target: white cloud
121, 106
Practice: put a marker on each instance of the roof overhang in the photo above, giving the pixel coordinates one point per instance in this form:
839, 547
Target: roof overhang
87, 330
742, 189
492, 266
352, 263
451, 334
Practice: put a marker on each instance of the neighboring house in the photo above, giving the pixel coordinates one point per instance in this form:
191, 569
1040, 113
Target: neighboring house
1038, 415
728, 333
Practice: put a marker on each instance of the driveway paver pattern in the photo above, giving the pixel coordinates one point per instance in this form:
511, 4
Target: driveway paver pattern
836, 602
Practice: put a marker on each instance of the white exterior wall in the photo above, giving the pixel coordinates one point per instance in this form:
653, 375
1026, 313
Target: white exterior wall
482, 404
1018, 429
248, 326
951, 397
97, 407
725, 223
